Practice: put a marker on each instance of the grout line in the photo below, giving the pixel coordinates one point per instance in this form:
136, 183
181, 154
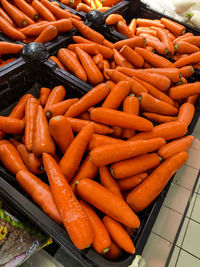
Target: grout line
162, 237
173, 209
181, 185
185, 231
191, 166
177, 257
193, 206
189, 253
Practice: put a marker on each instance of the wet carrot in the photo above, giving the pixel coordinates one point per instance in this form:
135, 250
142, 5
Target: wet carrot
61, 132
73, 155
157, 118
173, 27
57, 61
78, 124
132, 26
57, 94
42, 141
153, 59
93, 73
184, 90
6, 17
47, 35
39, 192
44, 94
11, 125
174, 74
10, 31
71, 63
186, 113
182, 47
108, 181
113, 19
10, 157
27, 9
109, 153
102, 241
148, 23
141, 196
16, 15
93, 97
57, 11
137, 41
68, 206
131, 182
87, 169
30, 116
43, 11
132, 56
99, 197
168, 131
99, 140
130, 105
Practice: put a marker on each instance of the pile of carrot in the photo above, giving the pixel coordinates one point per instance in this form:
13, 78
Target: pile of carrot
39, 21
88, 5
114, 149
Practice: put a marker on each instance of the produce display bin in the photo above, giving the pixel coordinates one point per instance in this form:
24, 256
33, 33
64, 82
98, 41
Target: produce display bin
14, 83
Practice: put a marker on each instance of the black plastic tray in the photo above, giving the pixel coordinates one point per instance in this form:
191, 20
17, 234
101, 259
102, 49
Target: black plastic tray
16, 81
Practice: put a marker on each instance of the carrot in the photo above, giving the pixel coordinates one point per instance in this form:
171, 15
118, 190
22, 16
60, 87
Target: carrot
182, 81
166, 40
117, 132
102, 241
122, 27
33, 163
44, 94
42, 141
99, 140
47, 35
6, 17
150, 188
57, 61
117, 95
184, 90
177, 57
186, 113
120, 119
112, 64
168, 131
120, 60
85, 116
98, 59
91, 49
173, 26
117, 76
10, 48
176, 146
132, 26
87, 169
103, 9
71, 63
10, 31
16, 15
106, 66
39, 192
27, 9
188, 60
119, 234
73, 155
151, 104
185, 35
30, 116
133, 166
108, 181
130, 105
132, 181
160, 47
83, 7
72, 214
192, 99
60, 108
61, 132
148, 23
109, 153
147, 30
187, 71
157, 118
182, 47
153, 59
93, 97
132, 56
137, 41
104, 200
11, 125
43, 11
87, 31
174, 74
93, 73
114, 252
113, 19
194, 40
57, 11
110, 2
78, 124
57, 94
29, 20
159, 81
10, 157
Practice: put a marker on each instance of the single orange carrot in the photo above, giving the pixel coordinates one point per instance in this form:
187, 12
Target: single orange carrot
188, 60
57, 94
48, 34
27, 9
11, 125
10, 30
43, 11
138, 41
6, 17
122, 27
44, 94
132, 56
113, 19
131, 182
173, 27
99, 140
184, 90
157, 118
186, 113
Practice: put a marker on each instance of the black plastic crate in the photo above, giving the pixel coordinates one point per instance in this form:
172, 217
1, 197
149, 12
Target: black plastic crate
14, 83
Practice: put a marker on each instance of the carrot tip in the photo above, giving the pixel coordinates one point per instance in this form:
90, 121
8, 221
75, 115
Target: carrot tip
112, 171
36, 17
24, 23
139, 97
131, 95
105, 250
176, 46
76, 183
161, 159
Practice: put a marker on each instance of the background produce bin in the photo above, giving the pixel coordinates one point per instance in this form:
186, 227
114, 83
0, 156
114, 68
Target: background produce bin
21, 79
